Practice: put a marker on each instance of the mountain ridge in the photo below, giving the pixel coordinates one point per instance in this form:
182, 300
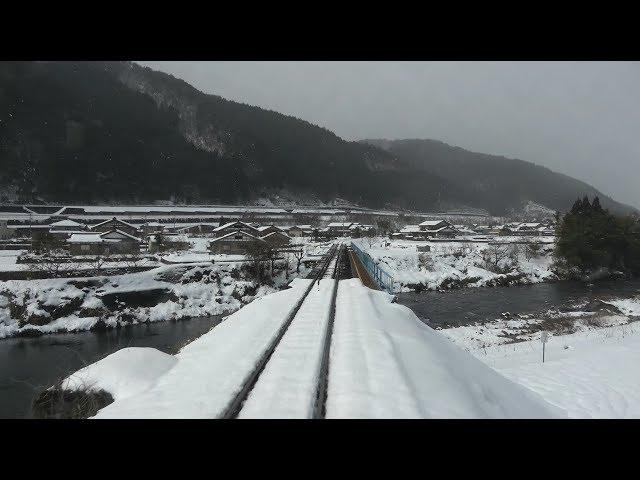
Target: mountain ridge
489, 177
118, 131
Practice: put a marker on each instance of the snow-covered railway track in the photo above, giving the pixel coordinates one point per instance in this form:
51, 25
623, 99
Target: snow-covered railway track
290, 379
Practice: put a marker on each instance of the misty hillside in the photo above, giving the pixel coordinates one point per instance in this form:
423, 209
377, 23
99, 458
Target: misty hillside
117, 132
493, 182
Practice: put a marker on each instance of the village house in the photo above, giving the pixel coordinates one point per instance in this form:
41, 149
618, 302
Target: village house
159, 242
409, 232
481, 229
105, 243
526, 229
197, 228
234, 243
438, 228
339, 229
66, 226
276, 239
224, 230
266, 229
114, 224
63, 229
432, 225
357, 230
464, 230
427, 229
37, 233
150, 228
300, 231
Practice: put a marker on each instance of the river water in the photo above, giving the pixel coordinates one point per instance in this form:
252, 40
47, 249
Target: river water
29, 365
471, 305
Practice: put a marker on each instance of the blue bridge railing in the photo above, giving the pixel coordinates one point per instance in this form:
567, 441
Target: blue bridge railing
382, 278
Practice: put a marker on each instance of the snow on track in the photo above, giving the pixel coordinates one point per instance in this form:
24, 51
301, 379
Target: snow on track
211, 369
385, 363
287, 386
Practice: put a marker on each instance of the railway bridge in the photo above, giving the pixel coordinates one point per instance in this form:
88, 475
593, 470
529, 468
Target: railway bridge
333, 345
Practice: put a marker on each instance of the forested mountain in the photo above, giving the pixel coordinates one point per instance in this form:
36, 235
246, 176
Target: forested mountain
118, 132
493, 182
115, 131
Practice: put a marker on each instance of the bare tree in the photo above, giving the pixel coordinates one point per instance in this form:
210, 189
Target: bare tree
100, 260
533, 250
425, 261
271, 254
53, 263
258, 253
494, 255
287, 263
298, 255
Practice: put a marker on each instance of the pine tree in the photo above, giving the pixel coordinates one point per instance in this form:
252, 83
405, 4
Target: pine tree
596, 205
577, 207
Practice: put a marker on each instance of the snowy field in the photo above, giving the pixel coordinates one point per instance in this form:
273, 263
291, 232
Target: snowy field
458, 264
590, 374
581, 373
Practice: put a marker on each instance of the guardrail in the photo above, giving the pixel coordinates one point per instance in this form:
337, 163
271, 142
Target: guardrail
382, 278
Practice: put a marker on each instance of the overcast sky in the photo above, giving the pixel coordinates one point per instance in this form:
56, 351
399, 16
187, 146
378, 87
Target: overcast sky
578, 118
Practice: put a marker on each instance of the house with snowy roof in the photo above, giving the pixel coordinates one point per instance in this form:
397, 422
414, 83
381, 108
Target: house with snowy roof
150, 228
114, 224
266, 229
532, 228
235, 226
199, 228
340, 229
234, 243
438, 228
66, 226
300, 231
104, 243
276, 239
63, 229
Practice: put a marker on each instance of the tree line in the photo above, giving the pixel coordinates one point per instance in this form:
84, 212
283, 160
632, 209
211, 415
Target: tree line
590, 238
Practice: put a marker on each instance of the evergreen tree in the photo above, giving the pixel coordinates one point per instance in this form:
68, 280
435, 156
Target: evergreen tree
590, 237
596, 205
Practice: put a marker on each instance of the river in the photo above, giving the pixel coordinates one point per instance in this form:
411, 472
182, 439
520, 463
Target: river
477, 305
29, 365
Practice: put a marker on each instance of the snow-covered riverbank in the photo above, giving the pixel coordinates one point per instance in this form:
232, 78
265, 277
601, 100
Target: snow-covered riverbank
32, 307
590, 374
587, 344
461, 264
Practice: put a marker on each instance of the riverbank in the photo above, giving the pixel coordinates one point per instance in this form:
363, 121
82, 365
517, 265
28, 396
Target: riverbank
36, 307
592, 331
442, 265
589, 374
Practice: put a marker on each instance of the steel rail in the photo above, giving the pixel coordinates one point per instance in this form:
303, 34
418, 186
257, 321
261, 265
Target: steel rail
235, 405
